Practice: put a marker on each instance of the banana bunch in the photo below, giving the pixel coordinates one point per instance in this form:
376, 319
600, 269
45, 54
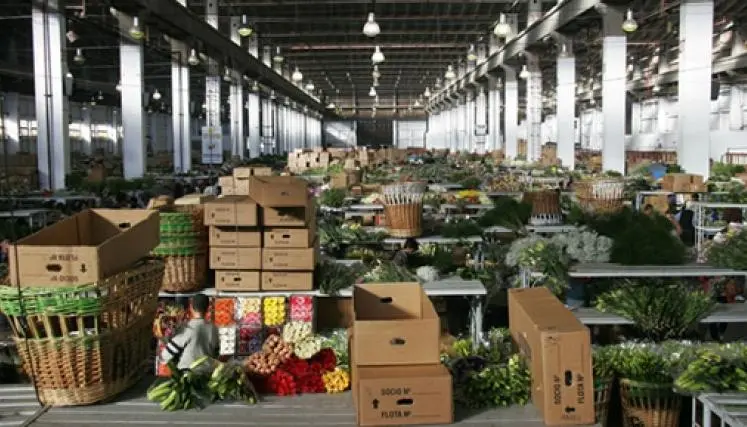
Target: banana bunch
229, 382
185, 389
711, 372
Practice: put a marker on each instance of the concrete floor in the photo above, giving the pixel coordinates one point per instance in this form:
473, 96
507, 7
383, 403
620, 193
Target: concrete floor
132, 409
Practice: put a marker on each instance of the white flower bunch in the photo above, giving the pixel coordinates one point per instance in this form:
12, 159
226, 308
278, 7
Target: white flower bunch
517, 254
584, 246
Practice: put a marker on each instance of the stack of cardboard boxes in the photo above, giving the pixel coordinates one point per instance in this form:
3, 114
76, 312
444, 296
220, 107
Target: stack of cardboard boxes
266, 239
557, 347
238, 183
397, 377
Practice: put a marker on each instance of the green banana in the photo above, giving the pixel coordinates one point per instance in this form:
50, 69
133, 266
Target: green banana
197, 363
168, 402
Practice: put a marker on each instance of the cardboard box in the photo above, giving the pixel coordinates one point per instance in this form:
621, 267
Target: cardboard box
287, 281
402, 395
558, 349
232, 236
279, 191
289, 237
225, 181
683, 183
289, 259
232, 210
84, 248
289, 217
245, 172
395, 324
236, 258
238, 281
228, 191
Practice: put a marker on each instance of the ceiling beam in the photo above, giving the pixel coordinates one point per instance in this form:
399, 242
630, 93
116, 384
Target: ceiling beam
370, 46
723, 65
176, 20
260, 3
347, 32
443, 20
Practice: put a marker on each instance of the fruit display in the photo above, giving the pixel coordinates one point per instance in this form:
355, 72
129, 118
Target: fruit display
273, 309
301, 308
227, 337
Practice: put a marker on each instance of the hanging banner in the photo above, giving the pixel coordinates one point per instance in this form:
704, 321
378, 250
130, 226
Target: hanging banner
212, 145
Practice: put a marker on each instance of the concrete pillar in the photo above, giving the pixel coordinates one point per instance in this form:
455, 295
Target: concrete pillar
133, 115
11, 120
237, 99
181, 133
86, 129
212, 132
253, 110
566, 106
534, 108
50, 67
694, 89
481, 120
535, 11
510, 114
614, 77
268, 125
462, 124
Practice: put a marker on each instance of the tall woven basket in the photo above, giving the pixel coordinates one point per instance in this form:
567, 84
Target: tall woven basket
649, 405
86, 344
602, 395
403, 206
183, 249
604, 195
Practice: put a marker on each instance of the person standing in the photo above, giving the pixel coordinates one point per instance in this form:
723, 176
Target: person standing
402, 257
198, 338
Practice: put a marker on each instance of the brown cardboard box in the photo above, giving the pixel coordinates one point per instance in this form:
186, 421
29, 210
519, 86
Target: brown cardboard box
660, 202
237, 280
279, 191
245, 172
236, 258
395, 324
682, 183
84, 248
334, 313
558, 349
232, 236
287, 281
228, 191
226, 181
289, 217
289, 237
241, 186
402, 395
289, 259
232, 210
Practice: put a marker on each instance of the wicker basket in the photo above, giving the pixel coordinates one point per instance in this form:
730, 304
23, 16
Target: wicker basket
600, 195
649, 405
405, 220
184, 273
602, 395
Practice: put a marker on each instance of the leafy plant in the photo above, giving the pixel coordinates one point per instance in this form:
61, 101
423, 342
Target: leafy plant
603, 362
460, 228
541, 255
184, 389
496, 385
332, 277
660, 310
731, 252
715, 368
507, 212
333, 197
643, 362
471, 183
230, 382
388, 272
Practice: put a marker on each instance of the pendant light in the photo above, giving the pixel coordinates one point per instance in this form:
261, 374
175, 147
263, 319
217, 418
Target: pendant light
135, 31
378, 56
629, 25
450, 74
310, 86
524, 74
244, 29
375, 74
417, 104
278, 57
331, 105
472, 53
371, 27
502, 29
297, 76
372, 92
118, 87
427, 92
193, 59
227, 76
563, 50
437, 85
79, 58
156, 95
375, 83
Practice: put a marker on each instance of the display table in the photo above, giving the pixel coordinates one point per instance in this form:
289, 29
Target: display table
726, 410
617, 270
724, 313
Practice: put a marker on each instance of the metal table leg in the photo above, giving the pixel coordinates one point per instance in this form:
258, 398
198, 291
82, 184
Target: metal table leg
476, 320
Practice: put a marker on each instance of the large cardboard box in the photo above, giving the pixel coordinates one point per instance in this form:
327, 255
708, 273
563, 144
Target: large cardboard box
683, 183
289, 259
289, 237
84, 248
232, 210
558, 349
289, 217
234, 236
395, 324
237, 280
287, 280
279, 191
236, 258
244, 172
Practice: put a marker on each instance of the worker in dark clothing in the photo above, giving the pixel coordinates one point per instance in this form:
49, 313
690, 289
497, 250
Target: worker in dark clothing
402, 256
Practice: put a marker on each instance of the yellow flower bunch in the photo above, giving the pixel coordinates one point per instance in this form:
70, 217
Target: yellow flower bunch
274, 311
468, 194
336, 381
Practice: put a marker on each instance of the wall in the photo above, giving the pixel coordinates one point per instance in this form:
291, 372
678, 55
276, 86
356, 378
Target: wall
340, 134
409, 133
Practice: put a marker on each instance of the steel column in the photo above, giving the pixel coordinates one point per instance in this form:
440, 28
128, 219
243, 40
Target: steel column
614, 75
212, 139
494, 115
50, 67
694, 88
253, 110
133, 114
511, 114
237, 99
534, 109
86, 131
180, 107
11, 120
566, 110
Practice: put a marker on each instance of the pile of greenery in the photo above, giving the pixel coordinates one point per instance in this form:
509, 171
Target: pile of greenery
506, 212
731, 252
333, 197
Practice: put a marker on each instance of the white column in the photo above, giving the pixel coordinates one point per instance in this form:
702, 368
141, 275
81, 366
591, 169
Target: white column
511, 114
461, 124
534, 108
481, 121
133, 114
237, 99
566, 109
614, 77
213, 120
85, 129
494, 115
11, 128
50, 67
253, 110
694, 88
469, 131
181, 133
534, 12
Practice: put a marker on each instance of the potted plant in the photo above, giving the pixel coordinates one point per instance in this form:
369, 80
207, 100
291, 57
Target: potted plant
603, 363
646, 387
